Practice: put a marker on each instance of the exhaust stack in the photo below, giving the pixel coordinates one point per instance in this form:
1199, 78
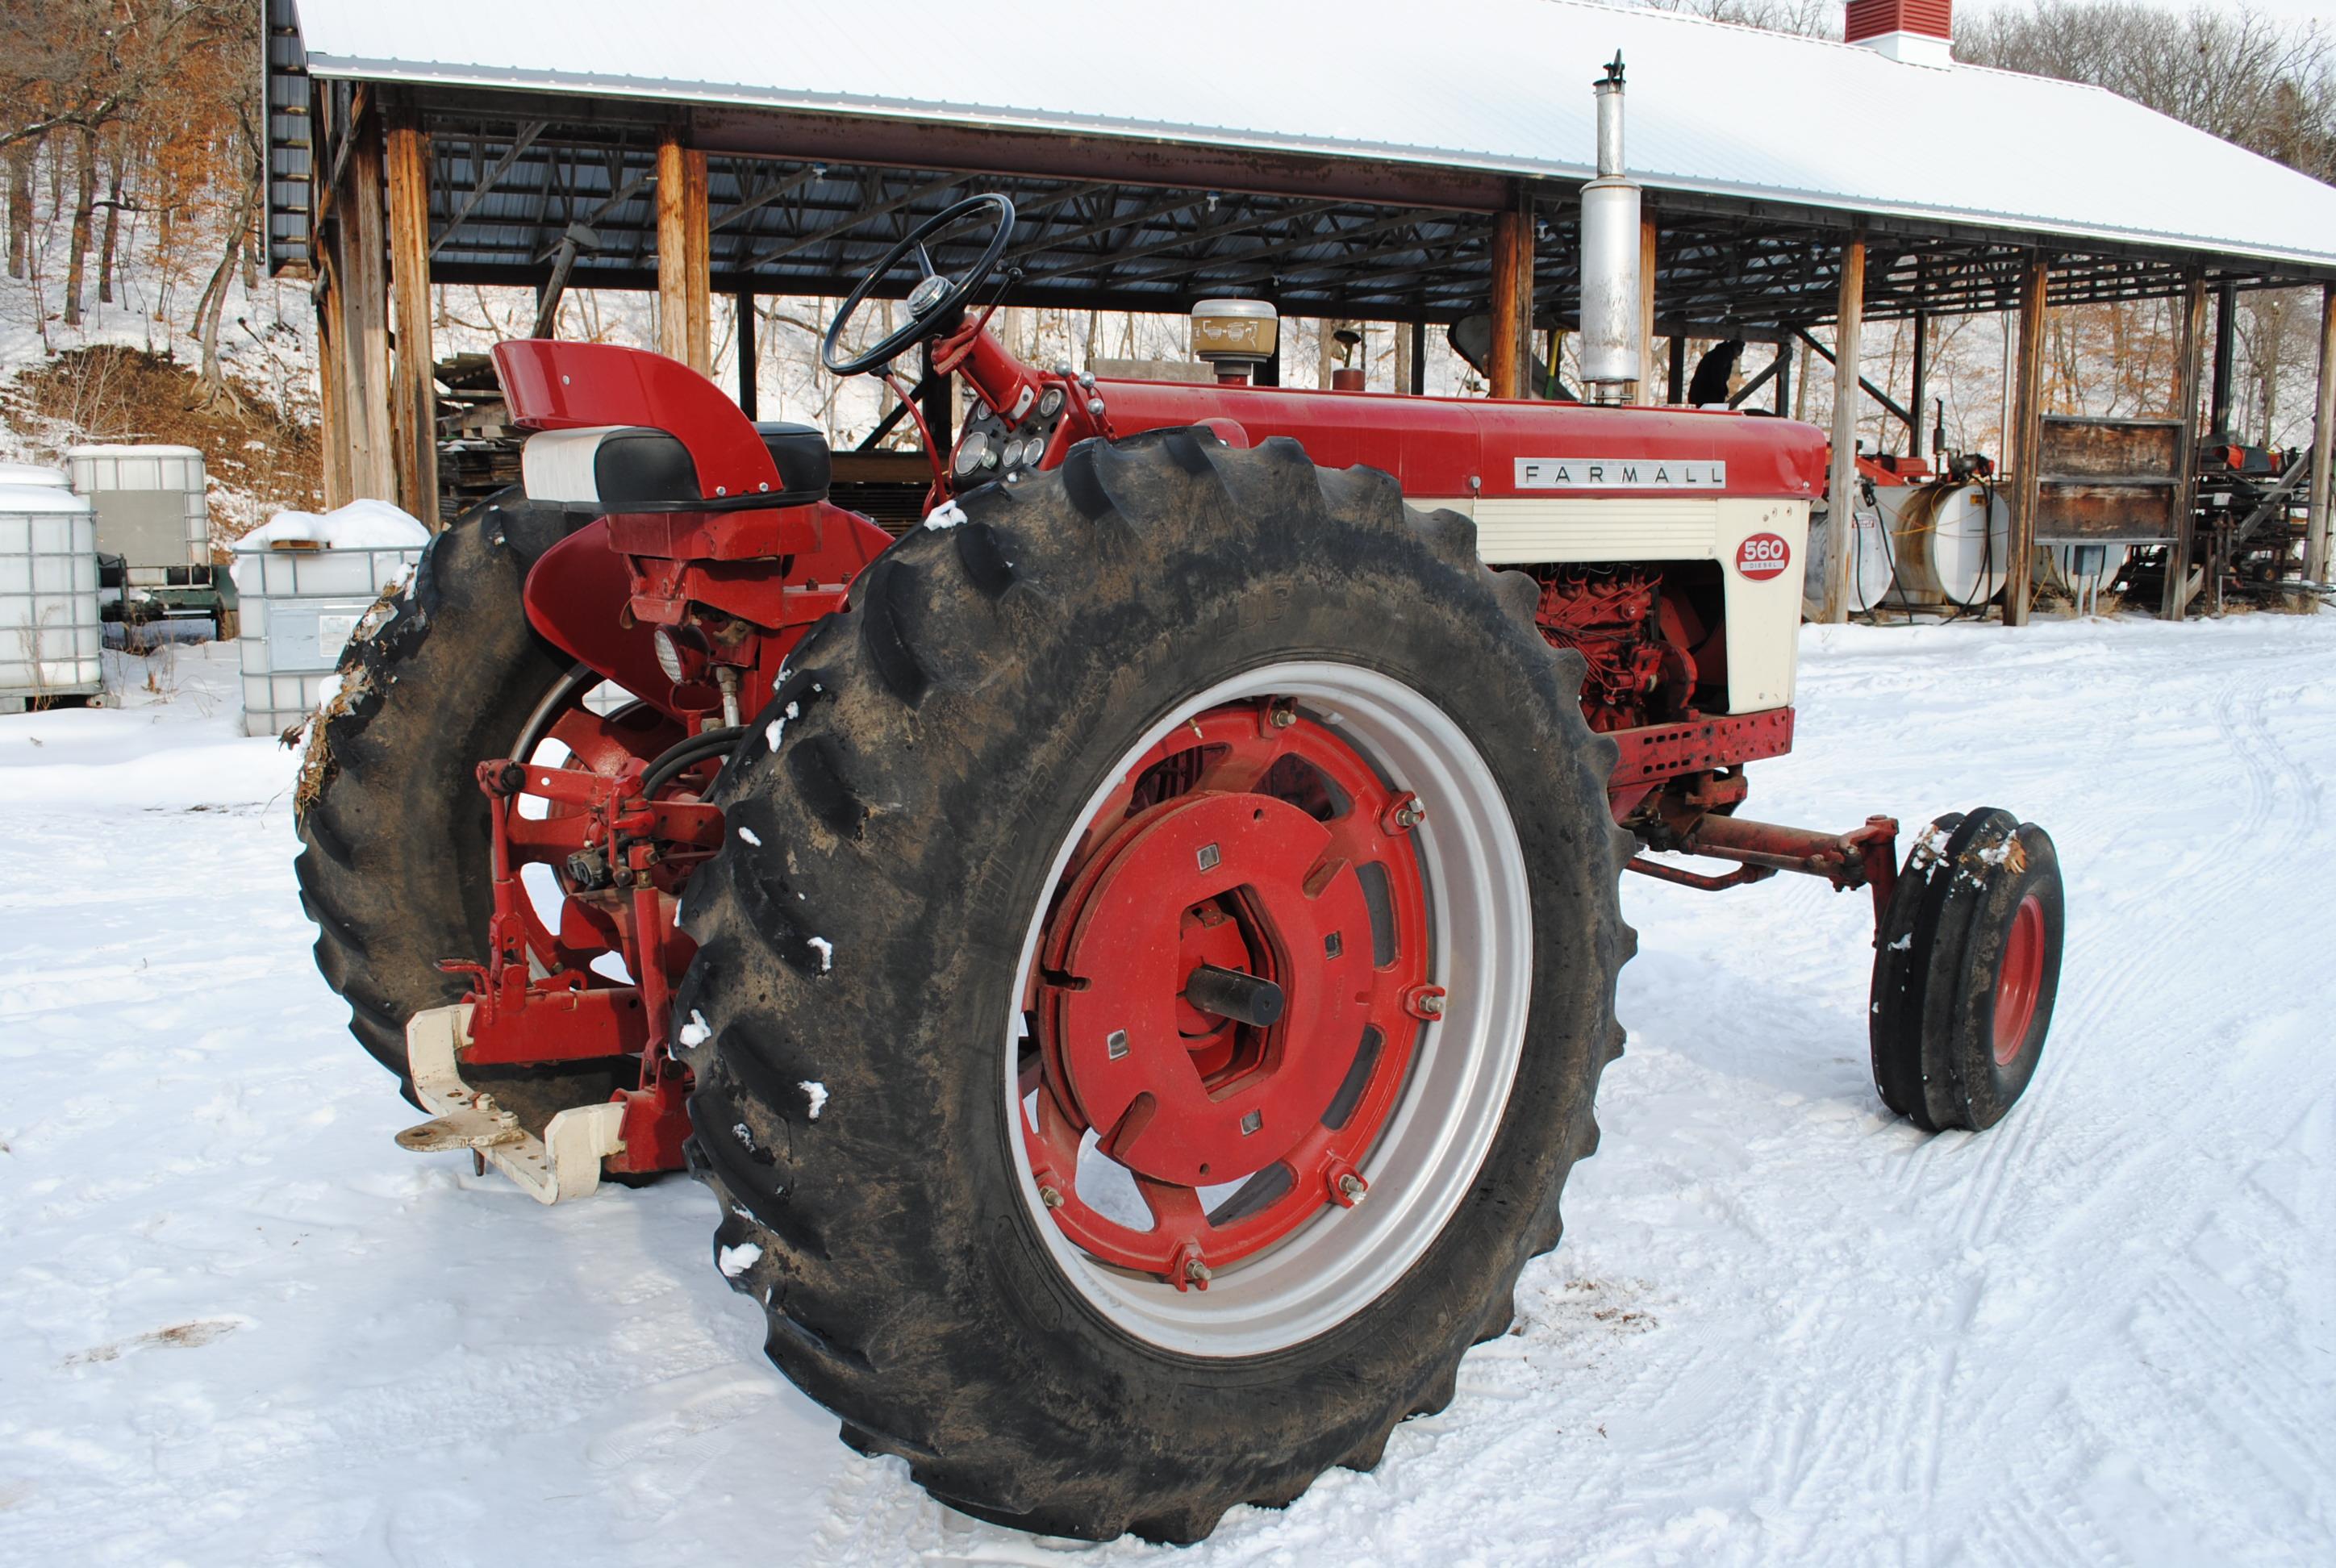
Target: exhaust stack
1610, 259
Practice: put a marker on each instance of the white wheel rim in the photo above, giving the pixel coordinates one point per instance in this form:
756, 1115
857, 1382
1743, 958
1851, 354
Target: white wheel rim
1480, 920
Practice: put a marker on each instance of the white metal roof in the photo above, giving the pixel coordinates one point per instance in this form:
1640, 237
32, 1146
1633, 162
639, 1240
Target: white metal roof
1493, 85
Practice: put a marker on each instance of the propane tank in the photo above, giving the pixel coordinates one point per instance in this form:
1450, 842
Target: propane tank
1873, 553
1610, 259
1954, 544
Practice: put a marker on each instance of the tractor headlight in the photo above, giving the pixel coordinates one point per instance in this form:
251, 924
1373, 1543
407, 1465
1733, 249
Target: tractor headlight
668, 656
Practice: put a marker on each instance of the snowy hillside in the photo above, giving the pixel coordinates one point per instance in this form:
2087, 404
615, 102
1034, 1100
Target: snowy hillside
128, 373
1783, 1327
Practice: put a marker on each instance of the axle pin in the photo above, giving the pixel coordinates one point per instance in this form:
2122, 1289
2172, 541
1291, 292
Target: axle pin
1245, 998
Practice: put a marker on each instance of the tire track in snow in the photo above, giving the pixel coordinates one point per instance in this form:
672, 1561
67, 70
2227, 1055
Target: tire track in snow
2240, 712
2039, 1161
2286, 1439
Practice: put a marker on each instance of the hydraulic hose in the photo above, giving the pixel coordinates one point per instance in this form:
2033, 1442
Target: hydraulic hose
682, 753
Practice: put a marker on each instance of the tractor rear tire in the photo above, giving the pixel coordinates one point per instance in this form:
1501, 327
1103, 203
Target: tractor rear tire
395, 863
898, 823
1967, 963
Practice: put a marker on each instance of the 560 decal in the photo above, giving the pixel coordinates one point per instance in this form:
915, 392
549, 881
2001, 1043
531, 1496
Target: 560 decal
1763, 556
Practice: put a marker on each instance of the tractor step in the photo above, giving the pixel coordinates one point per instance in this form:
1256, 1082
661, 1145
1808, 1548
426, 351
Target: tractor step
564, 1163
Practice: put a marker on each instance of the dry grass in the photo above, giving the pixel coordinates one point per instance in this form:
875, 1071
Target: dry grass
255, 453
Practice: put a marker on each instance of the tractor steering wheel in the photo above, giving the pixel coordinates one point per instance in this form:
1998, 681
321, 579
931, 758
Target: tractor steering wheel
933, 302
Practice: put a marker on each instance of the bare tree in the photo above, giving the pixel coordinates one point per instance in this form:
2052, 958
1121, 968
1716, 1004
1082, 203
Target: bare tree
1807, 18
2240, 74
2231, 70
112, 227
84, 201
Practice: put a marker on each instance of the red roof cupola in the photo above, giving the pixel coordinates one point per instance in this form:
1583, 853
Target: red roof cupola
1918, 32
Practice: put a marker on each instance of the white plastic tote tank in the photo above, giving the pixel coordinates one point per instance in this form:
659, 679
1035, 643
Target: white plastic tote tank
305, 582
48, 596
150, 505
1872, 564
1954, 544
15, 473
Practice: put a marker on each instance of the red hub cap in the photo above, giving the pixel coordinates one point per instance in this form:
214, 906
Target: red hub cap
2020, 979
1230, 984
570, 934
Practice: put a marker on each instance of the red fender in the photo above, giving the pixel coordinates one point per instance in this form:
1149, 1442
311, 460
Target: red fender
555, 385
590, 594
576, 596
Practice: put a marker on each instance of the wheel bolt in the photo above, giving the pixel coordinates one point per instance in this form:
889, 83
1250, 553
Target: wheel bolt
1197, 1271
1281, 715
1049, 1196
1403, 814
1431, 1005
1351, 1188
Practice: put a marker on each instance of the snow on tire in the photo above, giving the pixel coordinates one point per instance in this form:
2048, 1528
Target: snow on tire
1189, 885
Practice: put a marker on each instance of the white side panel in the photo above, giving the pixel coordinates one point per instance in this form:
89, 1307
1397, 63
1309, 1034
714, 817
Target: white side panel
1512, 530
555, 465
1763, 618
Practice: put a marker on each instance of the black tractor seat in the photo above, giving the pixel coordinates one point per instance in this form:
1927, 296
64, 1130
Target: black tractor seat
637, 469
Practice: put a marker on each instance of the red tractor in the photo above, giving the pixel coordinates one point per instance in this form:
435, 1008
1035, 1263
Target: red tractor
1133, 957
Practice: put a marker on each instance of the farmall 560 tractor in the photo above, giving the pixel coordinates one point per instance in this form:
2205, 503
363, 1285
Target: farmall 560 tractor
1133, 956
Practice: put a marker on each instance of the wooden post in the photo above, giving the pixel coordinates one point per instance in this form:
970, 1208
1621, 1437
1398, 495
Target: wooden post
697, 219
1266, 375
332, 379
1418, 388
1675, 373
1522, 282
750, 359
1915, 432
1502, 371
414, 405
2317, 528
2189, 344
2226, 299
1840, 479
364, 317
673, 254
683, 254
1783, 377
2028, 418
1647, 310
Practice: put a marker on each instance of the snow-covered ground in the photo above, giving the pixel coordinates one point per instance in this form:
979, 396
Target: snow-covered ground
243, 1328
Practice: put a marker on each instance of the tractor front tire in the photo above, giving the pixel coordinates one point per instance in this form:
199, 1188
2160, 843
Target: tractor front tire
1069, 671
1966, 966
396, 858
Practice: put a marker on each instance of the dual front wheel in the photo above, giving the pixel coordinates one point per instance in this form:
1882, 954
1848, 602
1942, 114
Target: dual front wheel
1967, 963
